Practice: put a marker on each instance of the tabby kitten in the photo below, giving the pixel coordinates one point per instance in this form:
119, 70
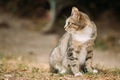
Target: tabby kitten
74, 51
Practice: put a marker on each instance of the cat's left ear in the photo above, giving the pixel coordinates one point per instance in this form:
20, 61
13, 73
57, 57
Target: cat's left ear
74, 11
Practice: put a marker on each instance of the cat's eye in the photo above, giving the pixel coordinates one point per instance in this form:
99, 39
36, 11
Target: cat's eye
74, 24
69, 23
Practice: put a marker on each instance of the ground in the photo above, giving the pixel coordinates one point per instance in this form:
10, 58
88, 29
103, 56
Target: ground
15, 68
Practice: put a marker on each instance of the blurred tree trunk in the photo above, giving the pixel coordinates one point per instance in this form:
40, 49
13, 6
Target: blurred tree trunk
57, 8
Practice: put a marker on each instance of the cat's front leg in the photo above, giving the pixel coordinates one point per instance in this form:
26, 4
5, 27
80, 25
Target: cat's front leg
75, 69
90, 68
65, 64
73, 61
88, 63
74, 66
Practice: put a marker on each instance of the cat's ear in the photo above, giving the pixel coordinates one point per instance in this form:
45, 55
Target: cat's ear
74, 11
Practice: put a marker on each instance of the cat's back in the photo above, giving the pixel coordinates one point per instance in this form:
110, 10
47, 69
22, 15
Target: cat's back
59, 51
63, 43
64, 38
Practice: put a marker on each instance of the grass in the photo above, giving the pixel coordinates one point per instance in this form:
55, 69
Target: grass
14, 69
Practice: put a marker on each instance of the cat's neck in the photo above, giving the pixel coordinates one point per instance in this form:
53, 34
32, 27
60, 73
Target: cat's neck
83, 35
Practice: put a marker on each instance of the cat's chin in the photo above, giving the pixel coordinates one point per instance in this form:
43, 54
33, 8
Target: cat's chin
70, 32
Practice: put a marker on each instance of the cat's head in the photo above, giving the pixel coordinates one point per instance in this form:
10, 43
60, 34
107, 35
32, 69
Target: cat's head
77, 21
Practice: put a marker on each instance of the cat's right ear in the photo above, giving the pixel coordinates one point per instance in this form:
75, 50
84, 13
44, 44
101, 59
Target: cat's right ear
74, 11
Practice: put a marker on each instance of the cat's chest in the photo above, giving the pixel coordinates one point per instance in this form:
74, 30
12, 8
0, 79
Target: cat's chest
83, 35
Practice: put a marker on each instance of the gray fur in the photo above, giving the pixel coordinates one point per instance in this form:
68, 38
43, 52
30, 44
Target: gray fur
74, 51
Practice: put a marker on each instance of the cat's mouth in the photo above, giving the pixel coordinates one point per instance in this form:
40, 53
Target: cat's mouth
70, 30
82, 27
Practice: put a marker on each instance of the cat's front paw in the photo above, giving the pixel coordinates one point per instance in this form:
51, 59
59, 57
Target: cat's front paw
78, 74
95, 71
63, 71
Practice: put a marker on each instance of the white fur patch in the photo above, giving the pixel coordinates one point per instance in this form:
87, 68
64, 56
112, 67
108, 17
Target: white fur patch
78, 74
63, 71
83, 35
95, 71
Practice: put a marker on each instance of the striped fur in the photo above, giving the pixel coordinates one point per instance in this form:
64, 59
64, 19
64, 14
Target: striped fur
74, 51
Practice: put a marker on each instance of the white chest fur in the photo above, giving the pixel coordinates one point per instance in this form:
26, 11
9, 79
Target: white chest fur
83, 35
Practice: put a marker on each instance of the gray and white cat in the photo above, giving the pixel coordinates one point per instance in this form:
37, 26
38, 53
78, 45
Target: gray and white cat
74, 51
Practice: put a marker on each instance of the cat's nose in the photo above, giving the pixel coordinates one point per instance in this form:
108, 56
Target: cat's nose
65, 27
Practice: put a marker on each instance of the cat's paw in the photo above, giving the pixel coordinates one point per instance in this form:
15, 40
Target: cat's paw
95, 71
78, 74
63, 71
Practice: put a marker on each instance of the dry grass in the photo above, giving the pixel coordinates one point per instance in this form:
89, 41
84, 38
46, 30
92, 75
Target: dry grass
16, 69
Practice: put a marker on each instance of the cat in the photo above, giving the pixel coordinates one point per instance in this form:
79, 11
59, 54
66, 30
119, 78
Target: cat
74, 51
